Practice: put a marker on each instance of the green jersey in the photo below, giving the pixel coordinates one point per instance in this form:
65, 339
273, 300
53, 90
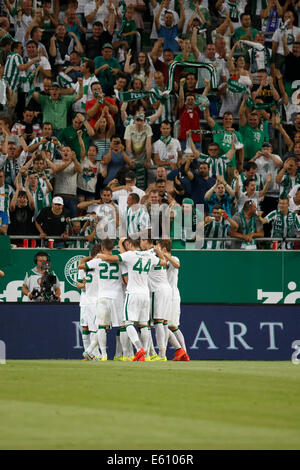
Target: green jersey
224, 141
253, 140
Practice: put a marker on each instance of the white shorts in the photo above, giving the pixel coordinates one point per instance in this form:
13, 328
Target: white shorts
175, 312
88, 317
109, 311
136, 308
161, 303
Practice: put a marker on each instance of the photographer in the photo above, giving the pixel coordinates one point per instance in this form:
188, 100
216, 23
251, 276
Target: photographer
41, 283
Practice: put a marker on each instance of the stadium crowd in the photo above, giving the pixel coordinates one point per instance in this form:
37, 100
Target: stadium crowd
100, 129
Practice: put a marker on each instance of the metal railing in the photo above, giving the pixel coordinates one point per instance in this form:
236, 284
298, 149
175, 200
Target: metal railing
280, 241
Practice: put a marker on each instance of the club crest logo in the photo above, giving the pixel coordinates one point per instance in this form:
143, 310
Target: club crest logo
71, 270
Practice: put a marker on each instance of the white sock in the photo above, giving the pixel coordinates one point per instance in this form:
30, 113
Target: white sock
85, 340
180, 338
93, 347
144, 337
152, 351
160, 339
101, 334
133, 336
173, 340
124, 341
166, 328
119, 348
130, 347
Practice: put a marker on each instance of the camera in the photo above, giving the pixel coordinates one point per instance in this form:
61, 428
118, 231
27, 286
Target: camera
47, 281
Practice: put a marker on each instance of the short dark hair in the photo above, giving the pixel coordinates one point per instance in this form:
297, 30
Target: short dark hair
107, 244
134, 242
98, 23
166, 244
106, 188
32, 41
244, 14
135, 197
249, 165
159, 180
47, 124
5, 42
90, 64
96, 249
248, 181
15, 45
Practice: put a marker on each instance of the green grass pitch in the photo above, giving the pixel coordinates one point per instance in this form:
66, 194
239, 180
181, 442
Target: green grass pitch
198, 405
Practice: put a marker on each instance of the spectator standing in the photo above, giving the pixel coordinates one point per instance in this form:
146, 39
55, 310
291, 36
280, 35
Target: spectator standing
55, 106
169, 31
66, 171
62, 45
21, 215
87, 180
167, 150
107, 69
286, 224
99, 37
52, 221
116, 158
138, 141
217, 226
220, 194
288, 176
249, 228
95, 106
70, 138
6, 194
253, 137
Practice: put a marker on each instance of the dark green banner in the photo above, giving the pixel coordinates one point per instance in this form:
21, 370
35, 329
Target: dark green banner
205, 276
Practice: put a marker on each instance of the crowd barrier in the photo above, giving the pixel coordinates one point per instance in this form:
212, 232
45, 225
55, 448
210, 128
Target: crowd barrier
212, 332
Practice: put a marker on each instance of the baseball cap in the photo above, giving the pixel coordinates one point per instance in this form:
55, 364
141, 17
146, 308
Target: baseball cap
140, 116
55, 84
107, 44
130, 176
58, 200
187, 200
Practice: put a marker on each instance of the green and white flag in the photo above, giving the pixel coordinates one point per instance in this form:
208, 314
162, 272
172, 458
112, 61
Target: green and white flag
202, 102
197, 65
235, 87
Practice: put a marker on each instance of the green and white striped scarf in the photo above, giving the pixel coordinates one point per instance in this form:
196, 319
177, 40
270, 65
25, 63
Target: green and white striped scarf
40, 200
166, 140
287, 184
6, 193
217, 166
250, 229
122, 6
284, 226
198, 65
267, 59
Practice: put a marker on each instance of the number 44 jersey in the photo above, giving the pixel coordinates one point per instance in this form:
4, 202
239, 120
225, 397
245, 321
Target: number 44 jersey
109, 277
138, 264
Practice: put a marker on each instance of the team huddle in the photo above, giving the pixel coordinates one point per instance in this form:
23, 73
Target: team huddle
136, 287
